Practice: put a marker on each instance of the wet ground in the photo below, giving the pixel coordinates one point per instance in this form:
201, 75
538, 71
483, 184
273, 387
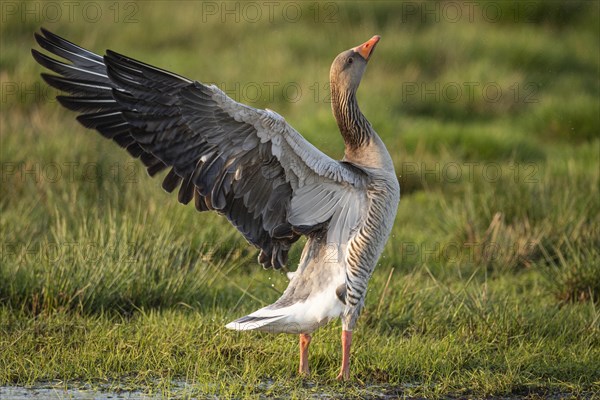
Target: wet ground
58, 392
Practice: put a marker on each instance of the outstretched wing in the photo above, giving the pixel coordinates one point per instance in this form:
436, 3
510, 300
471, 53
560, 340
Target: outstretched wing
247, 164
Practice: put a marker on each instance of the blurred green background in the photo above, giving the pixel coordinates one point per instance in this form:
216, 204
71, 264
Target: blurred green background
490, 110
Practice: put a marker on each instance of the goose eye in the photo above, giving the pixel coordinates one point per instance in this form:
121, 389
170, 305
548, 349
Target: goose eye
350, 60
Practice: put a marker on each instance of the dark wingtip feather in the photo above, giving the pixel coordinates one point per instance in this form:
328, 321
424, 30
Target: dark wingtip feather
38, 38
279, 256
186, 191
48, 35
62, 42
200, 202
264, 259
45, 43
45, 36
94, 103
41, 58
67, 102
77, 86
156, 168
135, 150
171, 181
52, 80
46, 32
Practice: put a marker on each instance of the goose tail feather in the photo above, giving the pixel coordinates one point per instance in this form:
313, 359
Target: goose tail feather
254, 321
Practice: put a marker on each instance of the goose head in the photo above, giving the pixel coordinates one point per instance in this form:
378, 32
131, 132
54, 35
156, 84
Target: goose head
349, 66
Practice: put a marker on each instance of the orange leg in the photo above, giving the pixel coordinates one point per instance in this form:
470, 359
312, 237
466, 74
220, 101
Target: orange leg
346, 342
304, 342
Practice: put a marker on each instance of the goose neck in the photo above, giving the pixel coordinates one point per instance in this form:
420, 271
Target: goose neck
354, 127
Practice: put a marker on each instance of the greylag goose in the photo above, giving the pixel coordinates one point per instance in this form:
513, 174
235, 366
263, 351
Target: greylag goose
252, 167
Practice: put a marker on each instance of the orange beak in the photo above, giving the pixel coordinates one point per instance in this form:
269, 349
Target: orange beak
366, 49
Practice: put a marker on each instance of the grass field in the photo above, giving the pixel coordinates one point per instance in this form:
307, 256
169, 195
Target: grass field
488, 286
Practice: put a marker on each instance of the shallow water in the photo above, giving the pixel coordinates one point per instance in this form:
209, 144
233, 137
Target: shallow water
21, 393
